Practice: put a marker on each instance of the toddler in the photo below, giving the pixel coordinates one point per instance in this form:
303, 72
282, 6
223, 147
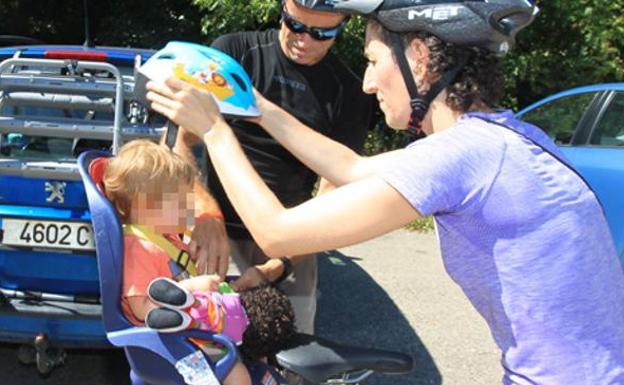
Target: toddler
151, 189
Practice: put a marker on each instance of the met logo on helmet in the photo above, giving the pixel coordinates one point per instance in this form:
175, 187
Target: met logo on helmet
434, 13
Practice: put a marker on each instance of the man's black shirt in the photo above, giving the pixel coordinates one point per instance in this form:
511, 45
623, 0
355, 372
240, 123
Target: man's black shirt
326, 96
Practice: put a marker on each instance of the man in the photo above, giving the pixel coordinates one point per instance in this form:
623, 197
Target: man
294, 68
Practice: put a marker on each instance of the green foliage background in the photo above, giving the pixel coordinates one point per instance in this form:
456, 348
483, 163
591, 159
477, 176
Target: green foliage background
571, 43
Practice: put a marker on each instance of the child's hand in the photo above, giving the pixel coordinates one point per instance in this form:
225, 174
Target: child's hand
202, 283
212, 281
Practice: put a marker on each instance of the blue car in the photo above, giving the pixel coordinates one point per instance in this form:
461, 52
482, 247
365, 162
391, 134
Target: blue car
55, 103
588, 125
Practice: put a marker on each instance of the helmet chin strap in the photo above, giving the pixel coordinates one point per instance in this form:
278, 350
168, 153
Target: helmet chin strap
418, 102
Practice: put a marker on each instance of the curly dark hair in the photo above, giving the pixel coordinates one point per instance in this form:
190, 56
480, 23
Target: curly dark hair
271, 321
480, 82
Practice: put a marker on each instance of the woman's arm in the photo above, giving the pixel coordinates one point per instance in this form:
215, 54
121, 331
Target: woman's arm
330, 159
355, 212
349, 214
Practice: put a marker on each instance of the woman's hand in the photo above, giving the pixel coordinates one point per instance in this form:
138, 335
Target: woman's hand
265, 106
184, 104
261, 102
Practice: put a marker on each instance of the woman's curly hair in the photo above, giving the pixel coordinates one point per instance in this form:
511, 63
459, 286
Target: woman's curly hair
480, 81
271, 321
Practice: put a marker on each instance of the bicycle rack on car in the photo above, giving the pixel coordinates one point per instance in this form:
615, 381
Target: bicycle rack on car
32, 87
65, 85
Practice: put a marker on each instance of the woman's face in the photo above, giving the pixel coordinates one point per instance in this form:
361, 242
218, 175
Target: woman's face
383, 78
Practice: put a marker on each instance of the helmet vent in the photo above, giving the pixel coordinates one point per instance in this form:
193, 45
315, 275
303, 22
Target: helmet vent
240, 81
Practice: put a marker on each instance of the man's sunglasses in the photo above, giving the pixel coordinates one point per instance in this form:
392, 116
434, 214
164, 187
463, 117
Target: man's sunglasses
317, 33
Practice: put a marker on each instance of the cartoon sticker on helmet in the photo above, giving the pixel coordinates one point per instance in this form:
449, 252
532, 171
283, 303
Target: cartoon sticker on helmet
205, 68
206, 78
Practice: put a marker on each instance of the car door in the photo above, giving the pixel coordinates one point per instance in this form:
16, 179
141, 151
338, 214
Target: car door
588, 125
600, 159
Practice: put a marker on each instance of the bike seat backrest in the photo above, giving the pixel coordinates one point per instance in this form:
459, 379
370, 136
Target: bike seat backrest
108, 239
154, 358
316, 359
96, 172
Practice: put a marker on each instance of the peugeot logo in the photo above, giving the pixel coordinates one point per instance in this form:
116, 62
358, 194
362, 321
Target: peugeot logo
56, 191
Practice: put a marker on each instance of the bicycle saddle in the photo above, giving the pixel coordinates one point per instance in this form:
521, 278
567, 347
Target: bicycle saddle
317, 359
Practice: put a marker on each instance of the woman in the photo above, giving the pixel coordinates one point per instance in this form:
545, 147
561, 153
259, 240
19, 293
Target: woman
520, 231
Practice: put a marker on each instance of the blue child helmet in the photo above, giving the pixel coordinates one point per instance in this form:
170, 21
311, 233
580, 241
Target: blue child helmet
206, 68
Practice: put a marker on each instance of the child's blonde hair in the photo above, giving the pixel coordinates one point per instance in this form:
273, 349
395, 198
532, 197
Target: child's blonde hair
143, 166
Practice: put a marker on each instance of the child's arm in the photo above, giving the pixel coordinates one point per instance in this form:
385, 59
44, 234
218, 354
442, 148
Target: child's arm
239, 375
142, 263
201, 283
140, 306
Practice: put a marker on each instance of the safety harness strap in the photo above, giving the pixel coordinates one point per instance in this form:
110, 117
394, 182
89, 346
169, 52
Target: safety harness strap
180, 257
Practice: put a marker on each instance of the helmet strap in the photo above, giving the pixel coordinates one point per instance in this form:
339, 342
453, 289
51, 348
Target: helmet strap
418, 102
171, 135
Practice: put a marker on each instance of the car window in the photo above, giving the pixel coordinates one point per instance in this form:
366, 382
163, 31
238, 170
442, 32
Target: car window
610, 128
560, 117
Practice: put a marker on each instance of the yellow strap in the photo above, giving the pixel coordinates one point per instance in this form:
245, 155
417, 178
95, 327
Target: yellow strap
181, 258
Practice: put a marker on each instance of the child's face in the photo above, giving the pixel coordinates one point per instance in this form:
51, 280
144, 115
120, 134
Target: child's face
169, 212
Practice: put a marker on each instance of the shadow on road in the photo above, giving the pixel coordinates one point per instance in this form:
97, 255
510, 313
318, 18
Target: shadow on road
354, 309
82, 366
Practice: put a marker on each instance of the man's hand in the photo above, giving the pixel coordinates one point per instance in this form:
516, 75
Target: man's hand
210, 248
252, 277
259, 274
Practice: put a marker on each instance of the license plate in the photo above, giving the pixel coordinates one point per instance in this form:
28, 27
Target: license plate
47, 234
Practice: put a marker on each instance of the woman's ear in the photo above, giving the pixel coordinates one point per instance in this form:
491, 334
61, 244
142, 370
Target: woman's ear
418, 58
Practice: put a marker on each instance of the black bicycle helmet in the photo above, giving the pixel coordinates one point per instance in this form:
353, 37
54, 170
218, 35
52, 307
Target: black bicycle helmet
490, 24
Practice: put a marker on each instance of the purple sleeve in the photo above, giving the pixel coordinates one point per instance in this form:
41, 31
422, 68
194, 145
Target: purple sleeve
447, 171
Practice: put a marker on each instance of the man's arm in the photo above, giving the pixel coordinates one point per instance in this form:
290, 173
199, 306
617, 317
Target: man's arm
210, 248
268, 271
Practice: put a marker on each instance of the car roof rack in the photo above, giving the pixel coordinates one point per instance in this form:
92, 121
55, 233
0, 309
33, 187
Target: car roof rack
67, 85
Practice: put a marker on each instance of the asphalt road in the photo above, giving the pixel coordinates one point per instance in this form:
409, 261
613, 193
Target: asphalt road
388, 293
